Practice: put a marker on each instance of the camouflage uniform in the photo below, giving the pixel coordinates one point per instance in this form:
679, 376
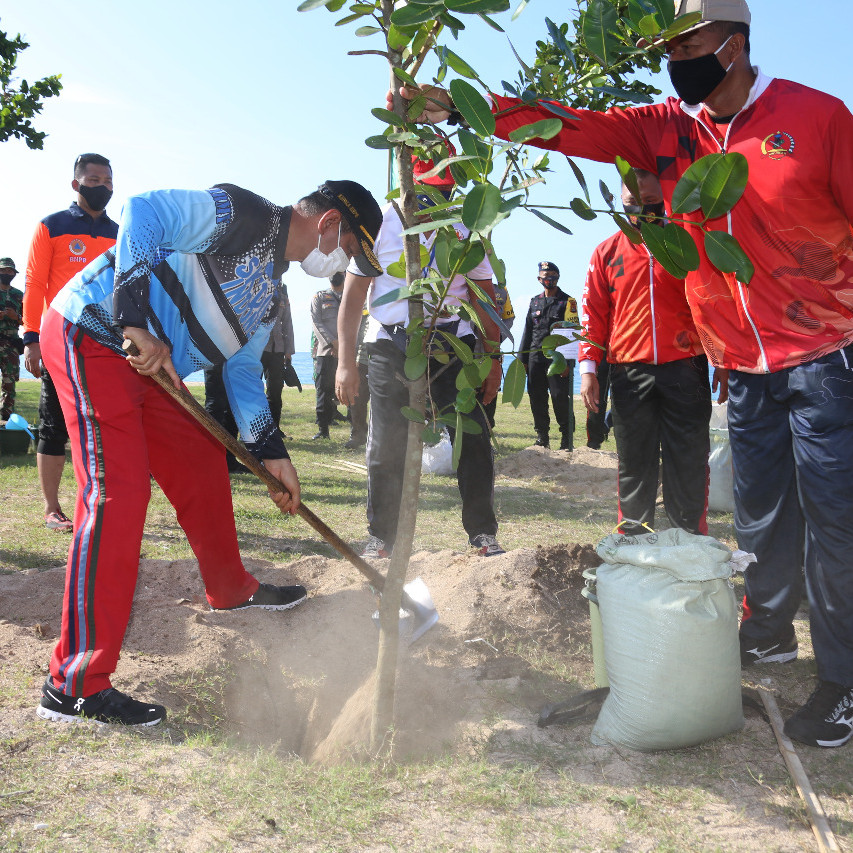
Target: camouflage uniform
10, 357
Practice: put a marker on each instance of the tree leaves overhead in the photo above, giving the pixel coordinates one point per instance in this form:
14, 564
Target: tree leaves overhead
481, 207
599, 26
474, 107
552, 222
626, 173
414, 13
547, 128
477, 7
582, 209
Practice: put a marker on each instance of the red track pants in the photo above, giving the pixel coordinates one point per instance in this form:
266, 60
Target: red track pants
124, 428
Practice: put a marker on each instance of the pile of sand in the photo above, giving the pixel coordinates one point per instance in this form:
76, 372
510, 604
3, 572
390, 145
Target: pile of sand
585, 472
302, 678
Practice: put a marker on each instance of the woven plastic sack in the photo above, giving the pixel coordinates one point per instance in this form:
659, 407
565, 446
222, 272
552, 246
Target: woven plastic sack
721, 496
669, 620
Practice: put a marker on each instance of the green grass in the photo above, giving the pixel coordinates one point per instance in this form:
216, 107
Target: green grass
189, 786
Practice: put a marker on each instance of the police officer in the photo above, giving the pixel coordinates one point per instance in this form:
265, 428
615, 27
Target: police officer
548, 311
324, 327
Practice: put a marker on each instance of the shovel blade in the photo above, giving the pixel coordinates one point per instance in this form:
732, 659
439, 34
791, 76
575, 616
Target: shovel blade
418, 614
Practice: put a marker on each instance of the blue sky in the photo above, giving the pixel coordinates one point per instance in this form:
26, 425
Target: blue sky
187, 94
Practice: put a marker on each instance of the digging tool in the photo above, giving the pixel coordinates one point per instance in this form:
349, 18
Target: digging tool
416, 600
826, 840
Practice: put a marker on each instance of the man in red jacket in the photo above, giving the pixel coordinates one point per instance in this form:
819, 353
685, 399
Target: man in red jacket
787, 337
661, 398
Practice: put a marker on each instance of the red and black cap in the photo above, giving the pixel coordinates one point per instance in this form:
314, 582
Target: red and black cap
363, 215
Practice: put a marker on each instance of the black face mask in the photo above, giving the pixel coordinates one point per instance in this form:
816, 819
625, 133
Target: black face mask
650, 213
695, 79
96, 197
5, 278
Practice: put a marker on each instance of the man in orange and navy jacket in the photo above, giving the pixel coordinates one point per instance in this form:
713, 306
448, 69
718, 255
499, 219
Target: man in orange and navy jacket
635, 314
62, 245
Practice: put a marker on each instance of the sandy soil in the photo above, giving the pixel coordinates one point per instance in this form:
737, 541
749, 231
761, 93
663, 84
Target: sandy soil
458, 685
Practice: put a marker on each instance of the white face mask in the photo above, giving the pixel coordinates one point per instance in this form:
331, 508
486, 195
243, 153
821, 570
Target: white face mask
325, 266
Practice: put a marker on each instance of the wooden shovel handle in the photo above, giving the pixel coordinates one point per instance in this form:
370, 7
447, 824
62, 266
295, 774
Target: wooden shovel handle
186, 400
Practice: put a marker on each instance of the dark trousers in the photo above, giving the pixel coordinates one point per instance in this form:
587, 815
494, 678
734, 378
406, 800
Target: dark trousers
791, 435
540, 385
386, 446
273, 364
660, 419
324, 386
53, 432
596, 429
358, 410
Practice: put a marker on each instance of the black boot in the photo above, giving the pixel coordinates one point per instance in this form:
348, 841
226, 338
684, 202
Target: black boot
566, 442
542, 440
323, 432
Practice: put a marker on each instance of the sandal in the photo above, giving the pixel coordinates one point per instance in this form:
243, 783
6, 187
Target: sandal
58, 522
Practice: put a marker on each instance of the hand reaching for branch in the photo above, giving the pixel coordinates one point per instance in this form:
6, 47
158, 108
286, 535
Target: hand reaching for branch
438, 105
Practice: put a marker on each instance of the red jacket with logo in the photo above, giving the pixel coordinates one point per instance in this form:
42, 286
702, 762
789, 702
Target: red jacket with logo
634, 308
793, 220
63, 244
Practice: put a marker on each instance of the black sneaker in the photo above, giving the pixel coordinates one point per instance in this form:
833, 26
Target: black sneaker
108, 706
486, 545
269, 597
826, 719
779, 650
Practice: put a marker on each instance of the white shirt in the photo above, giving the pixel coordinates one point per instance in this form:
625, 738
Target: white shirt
388, 248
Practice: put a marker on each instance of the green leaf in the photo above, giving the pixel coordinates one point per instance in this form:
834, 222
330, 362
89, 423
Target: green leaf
598, 27
415, 367
686, 195
457, 63
463, 351
626, 173
552, 222
551, 342
361, 32
387, 116
405, 77
410, 414
468, 377
681, 246
415, 14
378, 142
481, 207
466, 255
457, 444
606, 195
393, 295
399, 37
547, 128
558, 364
627, 229
582, 209
723, 185
484, 368
725, 253
473, 106
515, 382
653, 235
308, 5
466, 397
477, 7
468, 425
430, 435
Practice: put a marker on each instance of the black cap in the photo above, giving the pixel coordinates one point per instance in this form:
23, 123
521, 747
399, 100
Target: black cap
547, 266
362, 214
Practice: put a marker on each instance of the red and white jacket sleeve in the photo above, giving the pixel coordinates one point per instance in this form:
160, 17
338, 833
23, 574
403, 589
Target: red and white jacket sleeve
596, 309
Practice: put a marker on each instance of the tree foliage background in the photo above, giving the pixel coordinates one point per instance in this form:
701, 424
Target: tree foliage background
20, 101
